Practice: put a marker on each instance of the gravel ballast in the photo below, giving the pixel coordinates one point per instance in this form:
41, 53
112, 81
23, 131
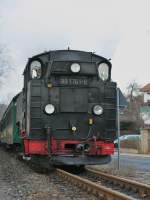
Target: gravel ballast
19, 182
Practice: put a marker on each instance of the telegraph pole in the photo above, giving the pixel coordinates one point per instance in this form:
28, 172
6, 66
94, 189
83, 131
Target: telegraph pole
118, 127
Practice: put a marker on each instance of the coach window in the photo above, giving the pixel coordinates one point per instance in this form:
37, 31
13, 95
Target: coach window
35, 70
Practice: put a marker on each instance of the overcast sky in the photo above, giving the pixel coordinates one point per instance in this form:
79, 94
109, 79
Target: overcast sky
117, 29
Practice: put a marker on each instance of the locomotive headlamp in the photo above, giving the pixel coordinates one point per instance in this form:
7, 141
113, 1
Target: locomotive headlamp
74, 128
98, 110
103, 71
49, 109
75, 67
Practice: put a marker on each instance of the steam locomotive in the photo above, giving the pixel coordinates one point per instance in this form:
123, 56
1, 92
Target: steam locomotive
66, 112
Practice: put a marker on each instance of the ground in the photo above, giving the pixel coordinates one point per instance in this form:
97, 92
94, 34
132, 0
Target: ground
19, 182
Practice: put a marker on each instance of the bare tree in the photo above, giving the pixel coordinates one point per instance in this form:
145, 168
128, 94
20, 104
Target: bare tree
135, 101
2, 109
5, 66
133, 90
5, 60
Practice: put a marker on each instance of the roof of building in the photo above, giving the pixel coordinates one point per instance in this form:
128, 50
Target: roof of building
146, 88
122, 100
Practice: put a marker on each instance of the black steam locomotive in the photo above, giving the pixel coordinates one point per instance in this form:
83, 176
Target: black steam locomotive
66, 112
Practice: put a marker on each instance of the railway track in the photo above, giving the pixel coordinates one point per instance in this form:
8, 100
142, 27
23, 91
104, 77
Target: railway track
142, 189
106, 186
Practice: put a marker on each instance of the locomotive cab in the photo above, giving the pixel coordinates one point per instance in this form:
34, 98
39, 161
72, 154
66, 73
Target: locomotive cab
69, 108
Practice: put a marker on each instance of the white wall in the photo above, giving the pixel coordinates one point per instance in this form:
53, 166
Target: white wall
146, 118
146, 97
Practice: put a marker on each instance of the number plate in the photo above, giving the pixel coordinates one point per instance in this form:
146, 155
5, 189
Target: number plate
73, 81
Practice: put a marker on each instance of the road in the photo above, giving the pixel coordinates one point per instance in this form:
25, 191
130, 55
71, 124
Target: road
137, 162
132, 166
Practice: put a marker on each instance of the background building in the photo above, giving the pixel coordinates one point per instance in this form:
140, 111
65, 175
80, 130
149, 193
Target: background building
145, 109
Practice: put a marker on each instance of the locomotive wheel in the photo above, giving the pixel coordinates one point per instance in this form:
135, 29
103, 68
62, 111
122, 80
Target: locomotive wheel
80, 169
8, 147
75, 169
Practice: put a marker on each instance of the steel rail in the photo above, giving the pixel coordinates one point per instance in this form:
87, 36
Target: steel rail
141, 188
99, 190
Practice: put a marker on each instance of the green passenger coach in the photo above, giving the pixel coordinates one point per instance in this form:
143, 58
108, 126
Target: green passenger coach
10, 126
